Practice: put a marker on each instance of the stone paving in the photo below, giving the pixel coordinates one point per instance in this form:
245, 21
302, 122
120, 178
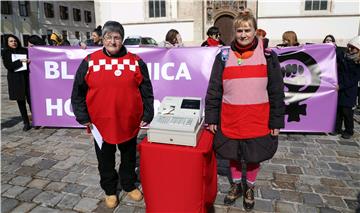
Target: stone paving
55, 170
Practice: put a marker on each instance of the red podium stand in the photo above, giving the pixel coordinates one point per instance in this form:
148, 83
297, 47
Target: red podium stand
178, 178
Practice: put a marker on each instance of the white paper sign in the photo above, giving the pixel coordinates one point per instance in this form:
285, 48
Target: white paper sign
97, 136
15, 57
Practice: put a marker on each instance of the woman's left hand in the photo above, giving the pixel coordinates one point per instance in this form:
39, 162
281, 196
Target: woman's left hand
143, 123
274, 132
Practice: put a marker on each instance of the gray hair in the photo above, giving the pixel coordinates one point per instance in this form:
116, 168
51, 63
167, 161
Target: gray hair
113, 26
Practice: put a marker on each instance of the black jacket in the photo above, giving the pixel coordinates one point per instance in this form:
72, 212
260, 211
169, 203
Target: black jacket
78, 96
18, 82
348, 78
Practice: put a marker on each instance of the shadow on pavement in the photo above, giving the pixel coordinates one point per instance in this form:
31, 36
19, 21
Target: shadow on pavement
11, 122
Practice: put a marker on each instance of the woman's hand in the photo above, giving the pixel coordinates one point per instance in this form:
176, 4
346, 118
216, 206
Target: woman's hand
274, 132
25, 60
213, 128
143, 123
83, 45
86, 124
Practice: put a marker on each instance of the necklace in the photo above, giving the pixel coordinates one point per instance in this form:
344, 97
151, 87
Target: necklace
239, 59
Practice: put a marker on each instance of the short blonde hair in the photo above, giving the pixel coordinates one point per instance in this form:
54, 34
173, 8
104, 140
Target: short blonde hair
245, 16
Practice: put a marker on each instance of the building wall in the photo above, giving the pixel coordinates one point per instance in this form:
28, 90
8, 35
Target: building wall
134, 16
159, 30
37, 23
58, 25
342, 19
311, 29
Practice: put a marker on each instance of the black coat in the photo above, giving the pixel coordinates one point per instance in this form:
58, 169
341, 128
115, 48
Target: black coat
18, 82
348, 77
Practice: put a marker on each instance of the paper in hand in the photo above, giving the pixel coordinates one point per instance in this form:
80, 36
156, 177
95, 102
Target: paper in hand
15, 57
97, 136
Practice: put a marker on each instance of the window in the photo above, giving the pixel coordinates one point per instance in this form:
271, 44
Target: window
64, 14
64, 34
6, 7
44, 37
3, 36
26, 40
77, 35
24, 8
88, 35
157, 8
76, 14
316, 4
49, 10
49, 32
87, 16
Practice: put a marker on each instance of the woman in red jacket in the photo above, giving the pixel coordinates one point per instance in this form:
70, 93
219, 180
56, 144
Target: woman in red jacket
245, 107
112, 91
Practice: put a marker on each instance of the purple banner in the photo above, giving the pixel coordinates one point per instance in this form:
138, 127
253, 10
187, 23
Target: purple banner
310, 87
309, 75
173, 72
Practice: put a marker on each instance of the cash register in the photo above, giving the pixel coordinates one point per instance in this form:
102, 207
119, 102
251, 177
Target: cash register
178, 121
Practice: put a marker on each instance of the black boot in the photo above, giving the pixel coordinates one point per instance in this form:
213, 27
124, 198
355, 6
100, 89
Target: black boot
249, 199
234, 193
26, 127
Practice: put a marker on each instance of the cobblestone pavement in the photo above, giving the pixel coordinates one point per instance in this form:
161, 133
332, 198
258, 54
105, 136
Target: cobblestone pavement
55, 170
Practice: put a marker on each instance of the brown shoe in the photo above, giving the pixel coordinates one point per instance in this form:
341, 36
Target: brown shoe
233, 194
135, 195
249, 198
111, 201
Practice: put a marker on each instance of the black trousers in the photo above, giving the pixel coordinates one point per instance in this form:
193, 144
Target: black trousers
108, 175
23, 111
345, 114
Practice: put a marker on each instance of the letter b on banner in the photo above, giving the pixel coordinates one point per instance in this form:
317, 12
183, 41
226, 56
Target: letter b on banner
52, 70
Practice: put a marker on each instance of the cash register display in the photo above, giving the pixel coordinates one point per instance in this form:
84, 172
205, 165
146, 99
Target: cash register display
190, 104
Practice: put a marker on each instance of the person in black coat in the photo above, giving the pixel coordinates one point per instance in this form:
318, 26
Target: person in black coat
18, 75
348, 78
36, 40
244, 107
213, 39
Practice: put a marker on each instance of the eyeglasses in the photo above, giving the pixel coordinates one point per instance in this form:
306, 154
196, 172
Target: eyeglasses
110, 38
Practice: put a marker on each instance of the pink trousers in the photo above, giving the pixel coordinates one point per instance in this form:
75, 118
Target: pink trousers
252, 170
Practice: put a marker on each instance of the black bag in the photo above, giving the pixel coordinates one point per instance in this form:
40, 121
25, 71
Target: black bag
254, 150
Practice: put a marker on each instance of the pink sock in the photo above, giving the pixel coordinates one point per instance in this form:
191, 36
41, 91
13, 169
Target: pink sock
252, 170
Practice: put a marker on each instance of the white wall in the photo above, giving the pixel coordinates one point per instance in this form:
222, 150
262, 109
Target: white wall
268, 8
123, 11
342, 19
312, 29
271, 8
159, 30
133, 16
341, 7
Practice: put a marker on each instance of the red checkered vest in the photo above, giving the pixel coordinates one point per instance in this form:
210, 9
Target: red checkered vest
113, 99
245, 104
